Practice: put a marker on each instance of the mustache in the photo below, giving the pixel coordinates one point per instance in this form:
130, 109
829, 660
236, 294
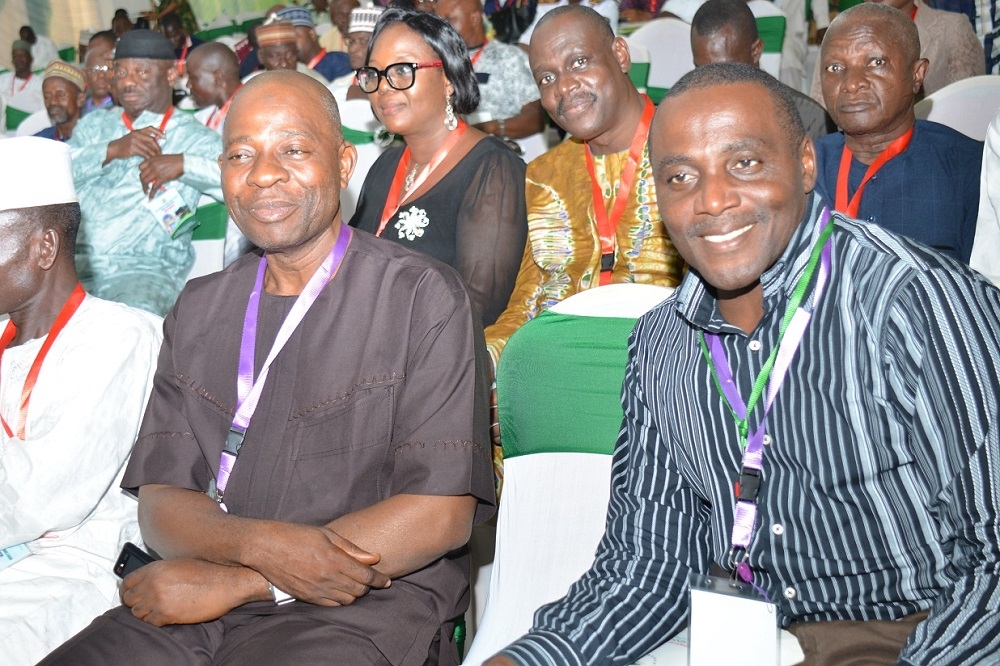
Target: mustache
584, 96
715, 225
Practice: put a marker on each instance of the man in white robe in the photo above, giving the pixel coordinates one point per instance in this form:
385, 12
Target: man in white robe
63, 518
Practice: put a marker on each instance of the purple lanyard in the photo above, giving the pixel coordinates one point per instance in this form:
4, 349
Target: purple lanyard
748, 485
247, 390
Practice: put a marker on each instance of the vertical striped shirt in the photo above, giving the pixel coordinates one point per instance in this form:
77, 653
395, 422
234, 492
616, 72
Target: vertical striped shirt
880, 484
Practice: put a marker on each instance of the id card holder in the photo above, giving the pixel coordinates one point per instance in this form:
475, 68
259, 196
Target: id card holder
10, 555
730, 624
171, 211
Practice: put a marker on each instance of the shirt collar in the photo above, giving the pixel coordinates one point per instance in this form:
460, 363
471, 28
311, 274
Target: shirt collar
696, 303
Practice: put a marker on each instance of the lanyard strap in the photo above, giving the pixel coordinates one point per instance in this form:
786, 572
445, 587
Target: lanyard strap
607, 225
220, 114
773, 372
163, 123
393, 201
184, 52
248, 391
315, 61
69, 308
479, 54
850, 209
23, 85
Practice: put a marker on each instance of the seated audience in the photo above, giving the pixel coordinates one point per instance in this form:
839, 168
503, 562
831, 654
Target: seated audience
128, 164
74, 380
872, 527
359, 33
725, 31
340, 17
507, 91
62, 91
173, 29
914, 177
251, 61
99, 68
947, 42
636, 11
43, 49
121, 23
986, 247
277, 50
354, 469
453, 192
331, 64
592, 218
20, 90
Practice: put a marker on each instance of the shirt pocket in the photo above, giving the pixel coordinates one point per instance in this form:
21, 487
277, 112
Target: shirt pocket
362, 420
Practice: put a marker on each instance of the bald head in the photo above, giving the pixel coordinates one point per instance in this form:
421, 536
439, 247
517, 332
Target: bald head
574, 15
888, 22
213, 73
284, 87
466, 16
725, 31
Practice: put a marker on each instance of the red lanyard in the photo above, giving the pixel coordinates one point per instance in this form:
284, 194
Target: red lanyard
70, 307
393, 201
607, 225
315, 61
850, 209
184, 52
479, 53
913, 12
220, 114
23, 85
163, 123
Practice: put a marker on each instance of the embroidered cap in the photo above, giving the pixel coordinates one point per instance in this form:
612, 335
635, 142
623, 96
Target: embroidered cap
280, 32
363, 19
297, 16
64, 70
35, 172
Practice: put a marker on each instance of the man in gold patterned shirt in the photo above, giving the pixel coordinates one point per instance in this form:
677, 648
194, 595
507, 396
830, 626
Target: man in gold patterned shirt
581, 69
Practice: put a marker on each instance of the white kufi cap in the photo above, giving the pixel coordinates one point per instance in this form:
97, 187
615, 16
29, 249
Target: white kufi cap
35, 172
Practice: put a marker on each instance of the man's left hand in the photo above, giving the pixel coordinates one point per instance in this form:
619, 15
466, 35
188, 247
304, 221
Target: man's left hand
158, 170
186, 591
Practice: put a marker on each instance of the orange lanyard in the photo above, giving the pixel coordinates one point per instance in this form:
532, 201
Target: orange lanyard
393, 201
315, 61
850, 208
68, 310
184, 52
913, 12
479, 53
607, 225
23, 85
220, 114
163, 123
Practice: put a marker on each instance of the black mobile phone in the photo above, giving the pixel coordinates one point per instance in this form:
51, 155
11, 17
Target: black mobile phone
132, 557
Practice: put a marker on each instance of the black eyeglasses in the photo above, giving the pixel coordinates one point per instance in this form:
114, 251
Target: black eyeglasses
399, 75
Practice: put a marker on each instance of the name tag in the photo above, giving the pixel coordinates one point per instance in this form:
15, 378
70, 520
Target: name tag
730, 624
10, 555
170, 210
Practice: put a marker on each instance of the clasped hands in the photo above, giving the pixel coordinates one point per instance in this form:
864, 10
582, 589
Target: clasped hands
156, 168
313, 564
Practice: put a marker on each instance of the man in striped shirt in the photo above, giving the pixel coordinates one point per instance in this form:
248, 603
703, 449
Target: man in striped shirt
876, 532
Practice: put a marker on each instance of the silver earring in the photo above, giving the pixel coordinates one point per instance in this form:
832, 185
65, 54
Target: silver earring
382, 137
450, 121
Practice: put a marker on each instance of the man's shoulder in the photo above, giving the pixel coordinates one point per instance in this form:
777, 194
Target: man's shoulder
117, 322
541, 168
402, 268
928, 131
505, 52
940, 18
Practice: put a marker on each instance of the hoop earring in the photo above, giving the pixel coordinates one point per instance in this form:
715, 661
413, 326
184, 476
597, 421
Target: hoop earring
382, 137
450, 121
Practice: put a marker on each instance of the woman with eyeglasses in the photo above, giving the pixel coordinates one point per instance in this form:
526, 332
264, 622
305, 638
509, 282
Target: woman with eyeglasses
454, 193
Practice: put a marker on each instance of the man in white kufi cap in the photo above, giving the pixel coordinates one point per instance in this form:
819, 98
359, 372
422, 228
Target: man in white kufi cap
75, 373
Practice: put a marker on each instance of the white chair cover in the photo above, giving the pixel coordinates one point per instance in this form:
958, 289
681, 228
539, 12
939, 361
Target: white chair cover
668, 41
34, 123
967, 106
357, 115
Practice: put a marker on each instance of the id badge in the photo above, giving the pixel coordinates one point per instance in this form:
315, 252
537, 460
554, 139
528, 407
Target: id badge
10, 555
170, 210
730, 624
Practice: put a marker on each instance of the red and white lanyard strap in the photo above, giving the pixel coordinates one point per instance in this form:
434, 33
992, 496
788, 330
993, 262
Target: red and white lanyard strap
396, 196
183, 59
791, 332
248, 391
65, 314
23, 85
220, 114
163, 123
607, 225
315, 61
850, 208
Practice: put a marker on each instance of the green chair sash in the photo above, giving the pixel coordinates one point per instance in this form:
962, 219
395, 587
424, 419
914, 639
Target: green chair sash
357, 137
15, 117
213, 219
772, 32
639, 73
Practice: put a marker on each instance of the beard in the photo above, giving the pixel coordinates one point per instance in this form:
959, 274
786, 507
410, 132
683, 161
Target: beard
58, 114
